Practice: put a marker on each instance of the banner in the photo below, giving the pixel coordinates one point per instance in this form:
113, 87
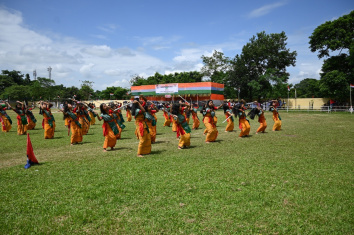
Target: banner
167, 88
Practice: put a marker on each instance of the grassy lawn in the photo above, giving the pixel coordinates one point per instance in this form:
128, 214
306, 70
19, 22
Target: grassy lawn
296, 181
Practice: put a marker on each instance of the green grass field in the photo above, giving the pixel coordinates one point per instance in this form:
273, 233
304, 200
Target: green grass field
296, 181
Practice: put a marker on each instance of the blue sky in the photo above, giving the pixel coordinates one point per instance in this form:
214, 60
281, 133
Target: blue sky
107, 42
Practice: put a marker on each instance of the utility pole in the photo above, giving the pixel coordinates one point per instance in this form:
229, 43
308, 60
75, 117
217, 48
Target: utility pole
34, 74
50, 72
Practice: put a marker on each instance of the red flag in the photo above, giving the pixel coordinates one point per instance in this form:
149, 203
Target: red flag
351, 86
288, 88
30, 153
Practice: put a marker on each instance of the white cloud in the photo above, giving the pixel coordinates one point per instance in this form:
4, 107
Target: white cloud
99, 51
266, 9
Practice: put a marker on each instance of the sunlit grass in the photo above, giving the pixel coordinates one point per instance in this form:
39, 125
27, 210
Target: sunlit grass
298, 180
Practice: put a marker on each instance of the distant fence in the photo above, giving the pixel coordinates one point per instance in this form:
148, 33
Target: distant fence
322, 108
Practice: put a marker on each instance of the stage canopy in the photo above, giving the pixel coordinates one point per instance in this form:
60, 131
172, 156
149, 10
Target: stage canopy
208, 90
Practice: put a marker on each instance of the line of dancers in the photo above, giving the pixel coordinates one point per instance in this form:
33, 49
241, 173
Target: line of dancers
79, 116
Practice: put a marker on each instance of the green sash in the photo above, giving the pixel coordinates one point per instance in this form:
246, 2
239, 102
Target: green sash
119, 122
75, 118
30, 114
182, 120
50, 117
108, 119
87, 115
7, 116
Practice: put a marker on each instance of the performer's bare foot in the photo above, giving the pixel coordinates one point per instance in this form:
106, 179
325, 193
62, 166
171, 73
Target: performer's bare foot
207, 142
256, 133
179, 147
139, 155
104, 150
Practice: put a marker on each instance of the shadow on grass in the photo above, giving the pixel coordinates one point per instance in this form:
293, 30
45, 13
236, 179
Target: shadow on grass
121, 148
162, 141
156, 152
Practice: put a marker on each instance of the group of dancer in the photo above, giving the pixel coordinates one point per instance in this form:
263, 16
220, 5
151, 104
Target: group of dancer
79, 116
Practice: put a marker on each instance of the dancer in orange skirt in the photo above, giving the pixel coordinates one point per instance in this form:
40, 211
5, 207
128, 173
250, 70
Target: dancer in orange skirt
196, 121
230, 119
208, 112
183, 129
142, 130
243, 122
109, 126
73, 124
276, 116
22, 123
5, 119
165, 110
48, 123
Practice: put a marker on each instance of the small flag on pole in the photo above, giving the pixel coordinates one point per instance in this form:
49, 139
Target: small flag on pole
288, 88
111, 94
31, 158
351, 86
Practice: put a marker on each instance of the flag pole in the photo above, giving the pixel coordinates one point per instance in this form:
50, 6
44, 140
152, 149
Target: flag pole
287, 107
350, 92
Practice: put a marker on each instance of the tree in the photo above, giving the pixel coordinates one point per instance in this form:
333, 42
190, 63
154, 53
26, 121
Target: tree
15, 75
308, 88
86, 90
5, 81
335, 36
261, 68
217, 63
17, 92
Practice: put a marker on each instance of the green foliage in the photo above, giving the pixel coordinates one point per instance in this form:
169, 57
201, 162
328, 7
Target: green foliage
184, 77
217, 63
332, 36
5, 81
119, 93
260, 70
17, 92
295, 181
86, 90
307, 88
15, 75
334, 84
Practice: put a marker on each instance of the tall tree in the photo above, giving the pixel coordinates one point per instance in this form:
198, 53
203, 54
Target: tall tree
261, 67
308, 88
335, 36
86, 90
5, 81
216, 64
15, 75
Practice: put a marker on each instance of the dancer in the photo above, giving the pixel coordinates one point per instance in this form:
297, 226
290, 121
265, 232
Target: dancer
110, 129
82, 115
165, 110
73, 124
118, 118
142, 130
230, 119
129, 114
276, 116
208, 112
48, 122
22, 123
243, 122
31, 119
151, 121
195, 117
5, 119
93, 115
183, 129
